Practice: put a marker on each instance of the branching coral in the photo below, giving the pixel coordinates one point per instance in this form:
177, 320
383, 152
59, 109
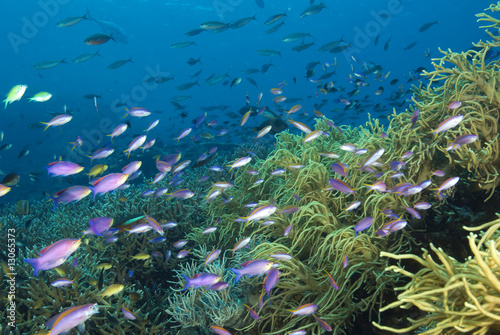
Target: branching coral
459, 297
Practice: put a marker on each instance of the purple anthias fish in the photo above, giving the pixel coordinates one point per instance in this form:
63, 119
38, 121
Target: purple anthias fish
98, 226
181, 194
132, 167
414, 118
449, 123
183, 134
63, 169
70, 318
53, 255
362, 225
270, 282
339, 185
171, 159
461, 140
392, 226
135, 144
256, 267
200, 280
70, 194
372, 159
101, 153
446, 185
138, 112
199, 120
413, 212
108, 183
341, 169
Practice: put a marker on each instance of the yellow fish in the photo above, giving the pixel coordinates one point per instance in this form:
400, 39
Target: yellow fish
105, 266
112, 290
15, 94
40, 97
97, 170
60, 271
142, 256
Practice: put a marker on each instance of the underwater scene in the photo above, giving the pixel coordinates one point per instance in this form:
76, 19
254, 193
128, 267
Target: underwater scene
250, 167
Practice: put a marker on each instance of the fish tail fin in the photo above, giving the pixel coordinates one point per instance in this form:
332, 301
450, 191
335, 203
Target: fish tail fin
34, 262
238, 274
64, 61
6, 103
188, 282
46, 124
92, 189
56, 202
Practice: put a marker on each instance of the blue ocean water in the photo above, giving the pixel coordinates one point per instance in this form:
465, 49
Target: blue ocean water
30, 36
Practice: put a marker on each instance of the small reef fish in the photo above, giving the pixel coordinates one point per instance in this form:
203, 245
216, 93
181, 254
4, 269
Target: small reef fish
271, 280
15, 94
97, 39
306, 309
108, 183
111, 290
54, 255
40, 97
70, 21
132, 167
323, 324
70, 194
211, 257
127, 313
101, 153
140, 257
339, 185
70, 318
181, 194
135, 144
240, 162
137, 112
253, 268
97, 170
260, 213
241, 244
219, 330
332, 282
200, 280
63, 169
252, 313
4, 190
120, 129
447, 124
45, 65
58, 121
363, 224
446, 185
61, 282
98, 226
183, 134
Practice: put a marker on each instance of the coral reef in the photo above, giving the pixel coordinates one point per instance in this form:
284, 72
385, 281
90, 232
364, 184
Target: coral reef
319, 230
460, 297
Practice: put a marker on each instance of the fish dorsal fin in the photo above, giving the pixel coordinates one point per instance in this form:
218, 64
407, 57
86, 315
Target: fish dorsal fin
58, 193
97, 181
